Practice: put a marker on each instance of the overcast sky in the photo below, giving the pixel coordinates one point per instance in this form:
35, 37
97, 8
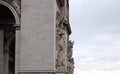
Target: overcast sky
96, 31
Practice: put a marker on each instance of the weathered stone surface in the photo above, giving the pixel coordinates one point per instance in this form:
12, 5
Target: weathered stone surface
42, 40
37, 35
64, 60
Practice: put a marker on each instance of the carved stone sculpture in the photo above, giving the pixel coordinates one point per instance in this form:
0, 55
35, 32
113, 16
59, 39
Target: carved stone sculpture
17, 5
70, 61
61, 47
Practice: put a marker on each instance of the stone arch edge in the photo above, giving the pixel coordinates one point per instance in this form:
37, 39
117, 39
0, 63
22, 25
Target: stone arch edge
16, 16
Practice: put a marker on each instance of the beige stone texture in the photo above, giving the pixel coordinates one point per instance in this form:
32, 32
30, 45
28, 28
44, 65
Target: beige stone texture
42, 44
37, 35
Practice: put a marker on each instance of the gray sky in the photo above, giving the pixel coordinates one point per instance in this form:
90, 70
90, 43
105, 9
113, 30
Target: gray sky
96, 31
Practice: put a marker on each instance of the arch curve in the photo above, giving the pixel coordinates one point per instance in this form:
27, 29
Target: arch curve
17, 20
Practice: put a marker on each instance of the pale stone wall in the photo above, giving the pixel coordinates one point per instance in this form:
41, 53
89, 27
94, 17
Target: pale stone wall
37, 36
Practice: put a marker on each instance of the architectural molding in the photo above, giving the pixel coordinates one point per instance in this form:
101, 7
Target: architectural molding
17, 18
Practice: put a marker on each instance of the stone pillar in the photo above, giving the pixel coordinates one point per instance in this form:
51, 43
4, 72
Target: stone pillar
17, 51
1, 51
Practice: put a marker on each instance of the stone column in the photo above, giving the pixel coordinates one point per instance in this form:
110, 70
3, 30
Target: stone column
17, 51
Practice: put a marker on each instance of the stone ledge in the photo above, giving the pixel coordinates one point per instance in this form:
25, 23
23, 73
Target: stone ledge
36, 73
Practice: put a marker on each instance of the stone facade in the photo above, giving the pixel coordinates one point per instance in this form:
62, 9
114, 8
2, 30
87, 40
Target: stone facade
39, 35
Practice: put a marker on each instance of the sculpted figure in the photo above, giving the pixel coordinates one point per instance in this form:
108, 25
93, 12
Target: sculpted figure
70, 62
69, 49
61, 46
70, 66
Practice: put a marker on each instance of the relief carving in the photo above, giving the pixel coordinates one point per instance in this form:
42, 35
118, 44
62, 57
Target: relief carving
61, 45
70, 60
70, 66
64, 60
60, 49
70, 50
60, 42
16, 4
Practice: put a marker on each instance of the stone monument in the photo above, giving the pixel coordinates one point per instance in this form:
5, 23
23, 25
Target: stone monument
34, 37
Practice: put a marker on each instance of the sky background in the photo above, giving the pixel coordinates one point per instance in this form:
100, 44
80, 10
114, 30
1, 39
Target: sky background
95, 28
